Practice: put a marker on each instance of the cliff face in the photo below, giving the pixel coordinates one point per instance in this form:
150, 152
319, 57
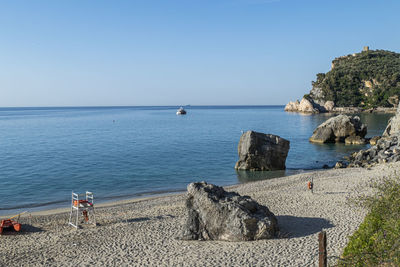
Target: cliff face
368, 79
393, 127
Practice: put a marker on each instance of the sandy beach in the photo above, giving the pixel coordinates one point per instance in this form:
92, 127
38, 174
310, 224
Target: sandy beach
143, 232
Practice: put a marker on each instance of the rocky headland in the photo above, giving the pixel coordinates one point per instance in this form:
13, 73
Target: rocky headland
361, 82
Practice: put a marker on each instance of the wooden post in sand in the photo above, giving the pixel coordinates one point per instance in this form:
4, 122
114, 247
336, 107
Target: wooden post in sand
322, 249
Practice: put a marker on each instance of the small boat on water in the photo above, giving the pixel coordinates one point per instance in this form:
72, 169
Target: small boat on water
181, 111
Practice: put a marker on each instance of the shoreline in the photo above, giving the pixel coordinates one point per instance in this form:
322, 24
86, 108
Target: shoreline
44, 197
143, 231
103, 204
58, 208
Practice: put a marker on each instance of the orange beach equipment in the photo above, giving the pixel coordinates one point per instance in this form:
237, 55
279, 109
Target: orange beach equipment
82, 203
7, 224
10, 224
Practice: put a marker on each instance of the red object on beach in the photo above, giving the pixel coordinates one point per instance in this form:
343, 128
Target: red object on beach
82, 203
9, 224
85, 215
310, 185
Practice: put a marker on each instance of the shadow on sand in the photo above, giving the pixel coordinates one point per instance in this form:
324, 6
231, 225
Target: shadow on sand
25, 229
143, 219
148, 218
292, 226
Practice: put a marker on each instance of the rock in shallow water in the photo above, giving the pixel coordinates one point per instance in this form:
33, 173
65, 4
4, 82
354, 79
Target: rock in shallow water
262, 152
304, 106
215, 214
292, 106
338, 128
374, 140
307, 106
354, 140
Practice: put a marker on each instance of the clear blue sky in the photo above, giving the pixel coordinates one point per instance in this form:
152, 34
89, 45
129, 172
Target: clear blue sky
198, 52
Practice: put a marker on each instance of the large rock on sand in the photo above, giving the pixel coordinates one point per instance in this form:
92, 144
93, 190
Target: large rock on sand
215, 214
262, 152
338, 128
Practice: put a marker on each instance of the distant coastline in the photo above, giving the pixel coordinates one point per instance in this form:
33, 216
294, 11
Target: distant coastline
339, 110
367, 81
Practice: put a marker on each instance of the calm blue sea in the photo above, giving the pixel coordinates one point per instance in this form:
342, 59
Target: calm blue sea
124, 152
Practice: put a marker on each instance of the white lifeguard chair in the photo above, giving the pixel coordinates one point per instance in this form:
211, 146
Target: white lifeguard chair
84, 206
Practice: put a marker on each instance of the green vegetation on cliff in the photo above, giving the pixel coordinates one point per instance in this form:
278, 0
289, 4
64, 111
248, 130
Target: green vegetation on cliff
367, 79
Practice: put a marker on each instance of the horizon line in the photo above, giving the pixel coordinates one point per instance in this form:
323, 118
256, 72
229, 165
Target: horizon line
126, 106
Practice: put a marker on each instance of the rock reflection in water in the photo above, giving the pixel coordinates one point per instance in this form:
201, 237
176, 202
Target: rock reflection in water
251, 176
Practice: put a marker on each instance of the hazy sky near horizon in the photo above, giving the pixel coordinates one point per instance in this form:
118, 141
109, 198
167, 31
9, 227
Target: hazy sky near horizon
170, 52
